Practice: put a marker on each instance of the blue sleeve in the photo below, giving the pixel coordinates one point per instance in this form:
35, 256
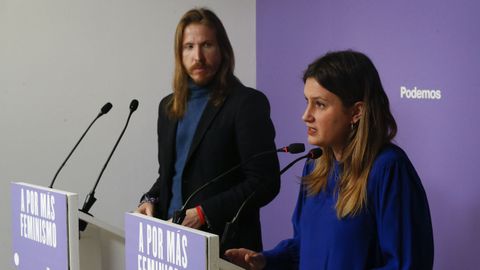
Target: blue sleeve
402, 216
285, 256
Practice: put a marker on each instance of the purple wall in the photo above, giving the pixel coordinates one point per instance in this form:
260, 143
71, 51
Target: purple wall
430, 45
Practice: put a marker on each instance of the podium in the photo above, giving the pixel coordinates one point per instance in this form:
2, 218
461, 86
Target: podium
151, 243
44, 228
45, 235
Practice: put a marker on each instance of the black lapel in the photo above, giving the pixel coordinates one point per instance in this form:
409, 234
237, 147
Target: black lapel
170, 130
207, 117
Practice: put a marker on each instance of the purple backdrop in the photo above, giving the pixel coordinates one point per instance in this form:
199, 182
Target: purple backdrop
430, 45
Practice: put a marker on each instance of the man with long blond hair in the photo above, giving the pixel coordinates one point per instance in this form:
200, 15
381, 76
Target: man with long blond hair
210, 123
361, 204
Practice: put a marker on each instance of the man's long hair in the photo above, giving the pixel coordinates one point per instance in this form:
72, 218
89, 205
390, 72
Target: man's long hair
352, 77
224, 77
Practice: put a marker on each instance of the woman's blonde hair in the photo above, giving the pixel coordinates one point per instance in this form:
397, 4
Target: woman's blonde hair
352, 77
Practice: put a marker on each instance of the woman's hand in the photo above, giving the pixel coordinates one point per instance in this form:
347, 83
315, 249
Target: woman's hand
246, 258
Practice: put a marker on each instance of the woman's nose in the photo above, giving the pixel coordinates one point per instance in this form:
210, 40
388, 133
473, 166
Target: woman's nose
307, 116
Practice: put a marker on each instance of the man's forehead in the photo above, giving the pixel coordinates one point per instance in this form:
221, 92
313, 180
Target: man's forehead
199, 35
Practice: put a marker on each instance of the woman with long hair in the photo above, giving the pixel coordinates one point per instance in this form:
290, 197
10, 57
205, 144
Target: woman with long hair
361, 204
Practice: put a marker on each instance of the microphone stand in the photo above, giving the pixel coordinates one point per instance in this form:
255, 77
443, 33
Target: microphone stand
232, 226
312, 154
103, 111
90, 198
179, 215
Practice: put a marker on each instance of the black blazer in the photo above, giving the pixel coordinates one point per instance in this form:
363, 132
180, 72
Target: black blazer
226, 135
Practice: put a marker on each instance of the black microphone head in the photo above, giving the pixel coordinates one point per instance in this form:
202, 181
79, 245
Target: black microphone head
315, 153
293, 148
106, 108
133, 105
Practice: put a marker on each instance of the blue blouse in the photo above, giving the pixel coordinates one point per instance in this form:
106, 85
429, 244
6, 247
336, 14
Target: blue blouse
394, 230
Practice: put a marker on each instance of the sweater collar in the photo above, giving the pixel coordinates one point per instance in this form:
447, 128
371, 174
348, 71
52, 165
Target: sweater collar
196, 91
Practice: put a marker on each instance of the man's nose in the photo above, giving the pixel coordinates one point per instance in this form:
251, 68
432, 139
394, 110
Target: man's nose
198, 54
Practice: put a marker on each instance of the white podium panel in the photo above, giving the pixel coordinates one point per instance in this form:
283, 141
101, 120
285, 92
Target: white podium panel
102, 246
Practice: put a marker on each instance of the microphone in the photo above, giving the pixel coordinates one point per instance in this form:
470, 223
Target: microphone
293, 148
105, 109
312, 154
231, 227
90, 199
179, 215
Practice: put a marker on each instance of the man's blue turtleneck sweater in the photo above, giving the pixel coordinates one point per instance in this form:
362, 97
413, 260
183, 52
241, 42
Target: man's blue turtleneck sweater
185, 131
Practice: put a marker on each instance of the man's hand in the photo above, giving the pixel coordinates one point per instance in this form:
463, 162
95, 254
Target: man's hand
145, 208
191, 219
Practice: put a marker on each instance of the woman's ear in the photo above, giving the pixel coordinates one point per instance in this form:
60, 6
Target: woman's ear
357, 111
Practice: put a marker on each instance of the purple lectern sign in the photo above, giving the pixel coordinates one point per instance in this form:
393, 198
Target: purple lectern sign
39, 228
155, 244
